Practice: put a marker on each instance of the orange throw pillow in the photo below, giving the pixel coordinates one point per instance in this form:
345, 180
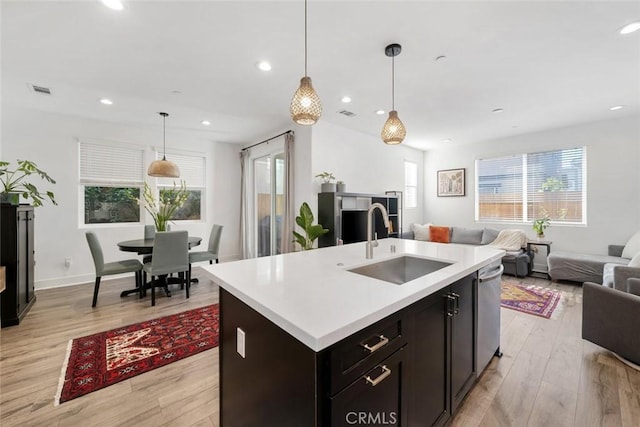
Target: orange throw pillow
439, 234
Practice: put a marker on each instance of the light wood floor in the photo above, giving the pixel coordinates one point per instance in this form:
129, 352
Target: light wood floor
548, 375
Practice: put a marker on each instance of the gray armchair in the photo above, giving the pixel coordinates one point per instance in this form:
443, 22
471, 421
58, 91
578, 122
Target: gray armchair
616, 275
611, 318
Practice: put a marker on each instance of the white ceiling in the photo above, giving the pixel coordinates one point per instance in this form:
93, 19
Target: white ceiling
547, 64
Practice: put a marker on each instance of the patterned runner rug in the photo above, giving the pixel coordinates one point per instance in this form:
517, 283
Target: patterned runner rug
530, 299
100, 360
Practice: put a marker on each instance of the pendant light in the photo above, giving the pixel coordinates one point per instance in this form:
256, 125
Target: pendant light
164, 167
393, 131
305, 107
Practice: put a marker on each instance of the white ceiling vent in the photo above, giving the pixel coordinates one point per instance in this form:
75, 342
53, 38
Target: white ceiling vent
40, 89
346, 113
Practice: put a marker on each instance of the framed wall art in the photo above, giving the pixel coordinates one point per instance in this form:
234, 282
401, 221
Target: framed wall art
451, 183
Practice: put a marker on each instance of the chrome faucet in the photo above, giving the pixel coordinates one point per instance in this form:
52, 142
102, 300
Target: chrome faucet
385, 217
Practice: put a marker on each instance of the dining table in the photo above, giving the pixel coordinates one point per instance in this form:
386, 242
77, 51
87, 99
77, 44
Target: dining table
145, 247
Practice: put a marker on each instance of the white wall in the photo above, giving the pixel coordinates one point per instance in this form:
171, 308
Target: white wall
51, 141
613, 182
364, 163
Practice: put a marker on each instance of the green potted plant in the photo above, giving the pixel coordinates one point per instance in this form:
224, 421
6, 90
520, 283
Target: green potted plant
311, 231
15, 183
541, 224
327, 178
168, 202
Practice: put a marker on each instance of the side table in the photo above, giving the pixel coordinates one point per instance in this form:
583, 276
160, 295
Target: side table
542, 272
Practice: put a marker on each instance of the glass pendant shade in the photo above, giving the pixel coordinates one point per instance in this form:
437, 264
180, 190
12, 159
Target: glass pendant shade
163, 168
393, 131
306, 107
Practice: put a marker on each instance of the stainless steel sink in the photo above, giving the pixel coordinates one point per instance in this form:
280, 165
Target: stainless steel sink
400, 270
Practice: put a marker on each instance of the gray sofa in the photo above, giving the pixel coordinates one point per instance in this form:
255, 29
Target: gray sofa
579, 267
515, 263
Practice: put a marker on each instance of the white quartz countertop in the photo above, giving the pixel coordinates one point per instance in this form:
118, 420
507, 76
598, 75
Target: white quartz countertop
313, 297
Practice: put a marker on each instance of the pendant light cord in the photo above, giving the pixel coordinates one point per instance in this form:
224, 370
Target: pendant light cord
393, 82
305, 38
164, 137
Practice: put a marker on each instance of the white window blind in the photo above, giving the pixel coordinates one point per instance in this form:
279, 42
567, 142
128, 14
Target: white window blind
555, 185
192, 170
410, 184
530, 186
500, 189
111, 164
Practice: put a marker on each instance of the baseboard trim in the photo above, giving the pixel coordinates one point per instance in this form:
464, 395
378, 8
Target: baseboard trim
61, 282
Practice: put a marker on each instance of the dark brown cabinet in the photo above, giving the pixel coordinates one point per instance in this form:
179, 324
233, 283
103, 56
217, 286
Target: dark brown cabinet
443, 353
17, 255
376, 398
462, 320
412, 368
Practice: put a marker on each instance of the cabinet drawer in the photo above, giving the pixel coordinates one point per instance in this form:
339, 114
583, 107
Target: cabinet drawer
375, 398
359, 353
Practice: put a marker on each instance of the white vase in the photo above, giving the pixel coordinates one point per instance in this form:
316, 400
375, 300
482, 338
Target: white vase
328, 187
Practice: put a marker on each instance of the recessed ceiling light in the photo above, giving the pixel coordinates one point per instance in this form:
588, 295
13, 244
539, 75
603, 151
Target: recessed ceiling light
446, 140
113, 4
616, 107
264, 66
630, 28
205, 122
346, 99
497, 110
176, 92
379, 112
106, 101
441, 58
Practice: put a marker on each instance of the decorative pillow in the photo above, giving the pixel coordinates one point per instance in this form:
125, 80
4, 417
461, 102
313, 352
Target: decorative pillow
421, 232
439, 234
466, 236
632, 247
635, 261
489, 235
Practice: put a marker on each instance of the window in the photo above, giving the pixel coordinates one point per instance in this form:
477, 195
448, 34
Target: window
410, 185
192, 172
111, 179
530, 186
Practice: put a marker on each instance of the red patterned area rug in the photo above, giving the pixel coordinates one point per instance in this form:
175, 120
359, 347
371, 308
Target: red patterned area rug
530, 299
100, 360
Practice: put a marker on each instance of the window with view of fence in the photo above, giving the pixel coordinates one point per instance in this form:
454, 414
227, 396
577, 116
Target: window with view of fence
524, 187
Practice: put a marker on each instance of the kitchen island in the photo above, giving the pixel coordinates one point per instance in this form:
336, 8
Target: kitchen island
306, 342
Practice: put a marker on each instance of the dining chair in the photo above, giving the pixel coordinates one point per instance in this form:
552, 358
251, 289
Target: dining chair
150, 233
170, 255
211, 253
110, 268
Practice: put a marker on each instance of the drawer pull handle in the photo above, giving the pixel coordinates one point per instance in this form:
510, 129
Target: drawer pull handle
385, 373
383, 341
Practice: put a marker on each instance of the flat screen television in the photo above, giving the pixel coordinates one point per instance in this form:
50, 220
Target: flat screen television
354, 226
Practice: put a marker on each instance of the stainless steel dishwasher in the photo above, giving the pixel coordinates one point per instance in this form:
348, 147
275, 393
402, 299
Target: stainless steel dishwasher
488, 316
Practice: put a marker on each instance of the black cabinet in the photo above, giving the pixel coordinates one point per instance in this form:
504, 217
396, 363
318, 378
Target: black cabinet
17, 255
412, 368
463, 346
345, 216
443, 353
430, 397
376, 398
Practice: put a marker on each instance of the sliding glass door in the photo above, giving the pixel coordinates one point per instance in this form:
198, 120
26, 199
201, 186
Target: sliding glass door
268, 177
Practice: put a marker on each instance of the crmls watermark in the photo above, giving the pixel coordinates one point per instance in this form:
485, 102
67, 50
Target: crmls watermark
371, 418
